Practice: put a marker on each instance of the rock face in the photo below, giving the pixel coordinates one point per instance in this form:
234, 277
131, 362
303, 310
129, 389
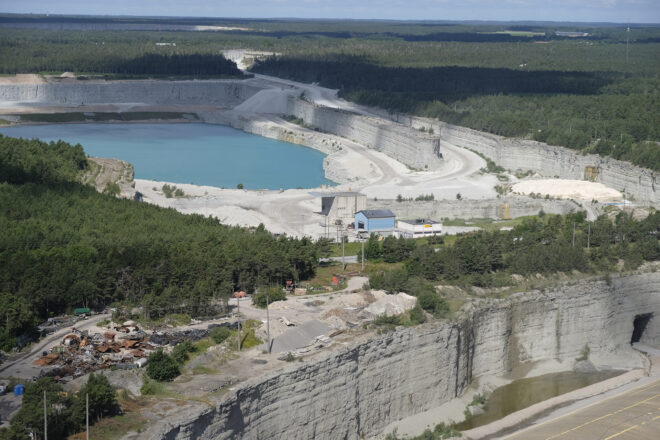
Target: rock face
361, 389
224, 93
504, 208
547, 160
410, 146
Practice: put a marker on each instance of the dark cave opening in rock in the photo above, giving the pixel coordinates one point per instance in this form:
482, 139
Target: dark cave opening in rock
639, 325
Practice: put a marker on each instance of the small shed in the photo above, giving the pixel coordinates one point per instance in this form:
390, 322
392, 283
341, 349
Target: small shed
375, 221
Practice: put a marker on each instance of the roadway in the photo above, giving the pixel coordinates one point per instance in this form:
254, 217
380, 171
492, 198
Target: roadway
633, 415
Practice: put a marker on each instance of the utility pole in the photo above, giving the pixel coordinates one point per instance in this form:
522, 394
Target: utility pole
45, 419
87, 416
238, 302
268, 319
363, 254
573, 234
343, 263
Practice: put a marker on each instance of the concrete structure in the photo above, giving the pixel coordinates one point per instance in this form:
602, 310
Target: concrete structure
418, 228
340, 208
375, 221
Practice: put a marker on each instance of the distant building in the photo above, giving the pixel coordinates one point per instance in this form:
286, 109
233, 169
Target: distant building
571, 34
375, 221
165, 44
418, 228
340, 208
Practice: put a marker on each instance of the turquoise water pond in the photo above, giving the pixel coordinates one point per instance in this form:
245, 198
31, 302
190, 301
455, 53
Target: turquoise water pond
202, 154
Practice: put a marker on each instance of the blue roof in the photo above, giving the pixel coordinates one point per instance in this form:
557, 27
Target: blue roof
376, 213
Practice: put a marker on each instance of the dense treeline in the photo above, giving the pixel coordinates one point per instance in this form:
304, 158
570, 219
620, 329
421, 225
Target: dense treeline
145, 64
63, 245
599, 112
594, 94
544, 245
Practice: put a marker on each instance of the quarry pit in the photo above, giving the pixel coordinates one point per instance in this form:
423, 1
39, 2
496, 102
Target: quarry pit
361, 388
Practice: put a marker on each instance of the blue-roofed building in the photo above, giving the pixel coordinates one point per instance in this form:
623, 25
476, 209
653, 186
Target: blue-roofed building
375, 221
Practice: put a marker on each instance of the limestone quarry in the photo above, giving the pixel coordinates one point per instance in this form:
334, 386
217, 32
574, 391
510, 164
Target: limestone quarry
357, 391
368, 150
358, 387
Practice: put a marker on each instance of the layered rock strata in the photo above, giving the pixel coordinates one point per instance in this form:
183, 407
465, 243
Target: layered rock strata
503, 208
412, 147
223, 93
640, 184
359, 390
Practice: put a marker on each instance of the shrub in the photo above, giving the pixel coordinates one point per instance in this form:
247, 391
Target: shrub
162, 367
417, 315
180, 352
433, 303
274, 294
250, 340
149, 388
220, 334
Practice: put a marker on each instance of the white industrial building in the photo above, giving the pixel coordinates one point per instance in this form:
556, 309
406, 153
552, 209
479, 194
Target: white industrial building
340, 207
418, 228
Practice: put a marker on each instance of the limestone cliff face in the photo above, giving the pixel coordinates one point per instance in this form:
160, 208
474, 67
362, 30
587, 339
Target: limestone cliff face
518, 154
226, 93
361, 389
502, 208
412, 147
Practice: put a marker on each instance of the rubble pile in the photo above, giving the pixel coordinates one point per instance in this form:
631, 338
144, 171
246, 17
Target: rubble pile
81, 352
122, 346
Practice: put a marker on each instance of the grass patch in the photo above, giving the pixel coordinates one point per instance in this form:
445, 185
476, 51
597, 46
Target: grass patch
350, 248
174, 319
4, 122
201, 369
487, 224
324, 274
112, 428
116, 427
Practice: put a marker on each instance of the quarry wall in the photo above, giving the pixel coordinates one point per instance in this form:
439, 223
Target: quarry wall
359, 390
412, 147
519, 154
225, 93
503, 208
399, 136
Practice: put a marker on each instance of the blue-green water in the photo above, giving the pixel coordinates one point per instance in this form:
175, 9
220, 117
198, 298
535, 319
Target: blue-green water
202, 154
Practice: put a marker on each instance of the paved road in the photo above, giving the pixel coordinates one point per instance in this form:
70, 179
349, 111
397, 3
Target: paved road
634, 415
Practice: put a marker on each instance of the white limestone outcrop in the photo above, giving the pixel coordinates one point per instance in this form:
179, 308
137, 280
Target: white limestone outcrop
223, 93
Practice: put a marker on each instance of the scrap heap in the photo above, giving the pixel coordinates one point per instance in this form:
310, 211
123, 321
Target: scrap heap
81, 352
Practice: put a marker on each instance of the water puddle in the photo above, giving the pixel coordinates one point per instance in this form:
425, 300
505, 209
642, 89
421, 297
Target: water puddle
523, 393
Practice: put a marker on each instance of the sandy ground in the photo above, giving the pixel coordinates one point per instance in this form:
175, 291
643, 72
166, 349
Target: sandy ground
568, 189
